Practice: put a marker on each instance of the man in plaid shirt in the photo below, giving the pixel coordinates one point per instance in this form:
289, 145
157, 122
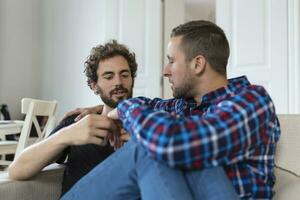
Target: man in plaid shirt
214, 131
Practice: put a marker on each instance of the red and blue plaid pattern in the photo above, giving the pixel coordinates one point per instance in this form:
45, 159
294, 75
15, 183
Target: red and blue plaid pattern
235, 127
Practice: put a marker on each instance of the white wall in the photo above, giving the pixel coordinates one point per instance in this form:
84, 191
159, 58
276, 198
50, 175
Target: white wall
19, 52
43, 47
71, 28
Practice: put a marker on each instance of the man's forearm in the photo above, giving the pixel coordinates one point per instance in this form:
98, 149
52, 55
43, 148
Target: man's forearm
34, 158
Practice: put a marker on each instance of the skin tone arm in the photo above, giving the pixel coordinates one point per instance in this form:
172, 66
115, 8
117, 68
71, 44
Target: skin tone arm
90, 130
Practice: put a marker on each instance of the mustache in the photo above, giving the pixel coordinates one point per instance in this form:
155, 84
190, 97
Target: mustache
118, 90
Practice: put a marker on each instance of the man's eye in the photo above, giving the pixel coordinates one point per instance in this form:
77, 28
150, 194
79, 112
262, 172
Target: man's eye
108, 77
171, 61
125, 75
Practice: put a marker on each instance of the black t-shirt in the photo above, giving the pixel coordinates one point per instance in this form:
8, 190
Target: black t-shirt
80, 159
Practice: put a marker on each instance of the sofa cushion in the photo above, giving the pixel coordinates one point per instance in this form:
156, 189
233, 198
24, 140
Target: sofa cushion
45, 186
288, 148
287, 185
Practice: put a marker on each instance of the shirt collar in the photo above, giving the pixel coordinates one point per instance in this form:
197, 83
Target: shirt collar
233, 85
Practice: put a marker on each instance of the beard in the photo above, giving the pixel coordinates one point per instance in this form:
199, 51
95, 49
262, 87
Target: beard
185, 90
182, 92
111, 102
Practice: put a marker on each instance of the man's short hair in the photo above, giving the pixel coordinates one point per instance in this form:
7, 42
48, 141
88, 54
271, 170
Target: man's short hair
204, 38
103, 52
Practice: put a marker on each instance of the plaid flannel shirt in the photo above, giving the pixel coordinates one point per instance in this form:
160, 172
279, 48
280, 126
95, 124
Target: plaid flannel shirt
235, 127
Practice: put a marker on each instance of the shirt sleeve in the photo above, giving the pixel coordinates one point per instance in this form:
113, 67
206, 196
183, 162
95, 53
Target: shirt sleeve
168, 105
226, 133
66, 122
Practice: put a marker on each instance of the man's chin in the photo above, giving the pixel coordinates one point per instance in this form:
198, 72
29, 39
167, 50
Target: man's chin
179, 95
120, 97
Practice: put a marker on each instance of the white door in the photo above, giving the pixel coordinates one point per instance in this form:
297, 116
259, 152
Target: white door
138, 24
258, 35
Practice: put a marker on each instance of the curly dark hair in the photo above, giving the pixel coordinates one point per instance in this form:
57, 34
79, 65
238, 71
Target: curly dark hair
102, 52
205, 38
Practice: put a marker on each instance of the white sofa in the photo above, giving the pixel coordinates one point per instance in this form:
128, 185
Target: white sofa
287, 160
47, 185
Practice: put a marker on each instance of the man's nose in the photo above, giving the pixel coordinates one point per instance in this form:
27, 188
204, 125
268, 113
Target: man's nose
166, 70
118, 80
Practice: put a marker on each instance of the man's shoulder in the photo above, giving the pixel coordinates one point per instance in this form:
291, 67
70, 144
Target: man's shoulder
250, 99
257, 92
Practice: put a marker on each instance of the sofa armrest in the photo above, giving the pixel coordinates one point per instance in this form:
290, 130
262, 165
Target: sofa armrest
45, 186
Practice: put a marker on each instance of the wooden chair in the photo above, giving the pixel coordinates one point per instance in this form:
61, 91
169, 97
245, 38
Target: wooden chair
33, 108
8, 146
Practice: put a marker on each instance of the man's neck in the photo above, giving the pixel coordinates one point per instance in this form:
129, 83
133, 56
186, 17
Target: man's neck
209, 84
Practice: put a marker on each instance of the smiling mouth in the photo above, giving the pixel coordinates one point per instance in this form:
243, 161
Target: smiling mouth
119, 94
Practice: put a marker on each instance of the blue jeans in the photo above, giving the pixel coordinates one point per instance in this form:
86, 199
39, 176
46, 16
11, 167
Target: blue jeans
131, 174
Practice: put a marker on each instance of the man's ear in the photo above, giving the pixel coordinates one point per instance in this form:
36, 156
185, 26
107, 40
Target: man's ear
94, 87
199, 64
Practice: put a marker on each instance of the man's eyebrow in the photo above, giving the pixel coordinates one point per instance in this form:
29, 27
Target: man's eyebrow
107, 73
111, 72
125, 71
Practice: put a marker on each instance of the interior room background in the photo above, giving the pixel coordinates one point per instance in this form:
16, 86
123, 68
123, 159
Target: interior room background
44, 43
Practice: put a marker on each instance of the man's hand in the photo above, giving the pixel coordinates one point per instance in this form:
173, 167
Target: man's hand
83, 112
120, 139
92, 128
124, 136
115, 140
113, 114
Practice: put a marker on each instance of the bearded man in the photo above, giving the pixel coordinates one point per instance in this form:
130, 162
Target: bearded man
110, 70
